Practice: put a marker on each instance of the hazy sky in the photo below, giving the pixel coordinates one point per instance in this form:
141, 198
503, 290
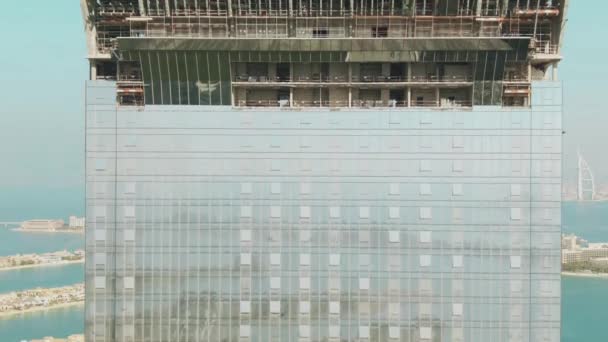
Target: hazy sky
43, 70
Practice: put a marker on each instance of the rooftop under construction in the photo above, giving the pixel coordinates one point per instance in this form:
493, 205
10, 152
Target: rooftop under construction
336, 53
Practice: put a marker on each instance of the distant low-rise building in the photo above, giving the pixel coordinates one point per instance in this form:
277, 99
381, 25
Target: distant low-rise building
76, 222
575, 249
42, 225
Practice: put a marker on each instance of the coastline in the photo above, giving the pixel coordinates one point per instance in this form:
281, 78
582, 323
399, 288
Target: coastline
39, 308
71, 231
51, 264
585, 275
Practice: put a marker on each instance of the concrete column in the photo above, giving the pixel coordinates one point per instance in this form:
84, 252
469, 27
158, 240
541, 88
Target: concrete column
230, 8
409, 96
93, 70
438, 97
142, 8
554, 76
291, 97
479, 7
167, 8
350, 80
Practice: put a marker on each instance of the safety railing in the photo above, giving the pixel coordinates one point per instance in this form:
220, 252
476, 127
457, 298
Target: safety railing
320, 78
442, 104
546, 48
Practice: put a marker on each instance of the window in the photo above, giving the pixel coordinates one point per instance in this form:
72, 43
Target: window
131, 140
130, 211
275, 283
275, 212
394, 309
100, 164
515, 190
516, 286
130, 188
275, 188
364, 212
394, 189
305, 259
425, 260
304, 283
515, 261
425, 333
425, 237
129, 235
245, 331
394, 212
457, 261
100, 258
458, 141
363, 283
363, 236
304, 307
245, 258
275, 307
457, 189
363, 332
425, 189
245, 235
304, 235
334, 212
304, 212
334, 331
100, 282
275, 259
426, 213
457, 214
425, 166
245, 307
100, 234
246, 188
363, 259
515, 214
457, 166
334, 308
334, 259
457, 309
457, 334
275, 165
393, 236
394, 332
304, 330
424, 309
245, 211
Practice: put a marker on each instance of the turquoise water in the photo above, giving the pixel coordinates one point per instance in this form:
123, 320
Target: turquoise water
584, 305
584, 309
53, 276
587, 220
59, 323
12, 242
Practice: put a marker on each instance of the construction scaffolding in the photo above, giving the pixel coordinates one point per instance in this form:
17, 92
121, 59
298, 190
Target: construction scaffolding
539, 21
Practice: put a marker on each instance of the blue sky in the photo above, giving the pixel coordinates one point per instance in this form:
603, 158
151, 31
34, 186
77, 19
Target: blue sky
43, 68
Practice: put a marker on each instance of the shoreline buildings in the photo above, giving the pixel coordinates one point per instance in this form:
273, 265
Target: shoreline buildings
305, 170
42, 225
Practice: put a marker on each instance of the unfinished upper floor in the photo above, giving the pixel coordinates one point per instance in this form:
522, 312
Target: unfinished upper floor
109, 20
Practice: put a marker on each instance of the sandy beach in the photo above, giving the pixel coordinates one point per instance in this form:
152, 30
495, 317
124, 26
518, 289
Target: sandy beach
39, 308
61, 263
585, 275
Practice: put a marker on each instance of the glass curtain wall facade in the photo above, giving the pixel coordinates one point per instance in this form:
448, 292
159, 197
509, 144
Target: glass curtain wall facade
292, 171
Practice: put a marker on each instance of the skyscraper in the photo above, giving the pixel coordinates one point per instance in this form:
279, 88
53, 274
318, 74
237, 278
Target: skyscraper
306, 170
